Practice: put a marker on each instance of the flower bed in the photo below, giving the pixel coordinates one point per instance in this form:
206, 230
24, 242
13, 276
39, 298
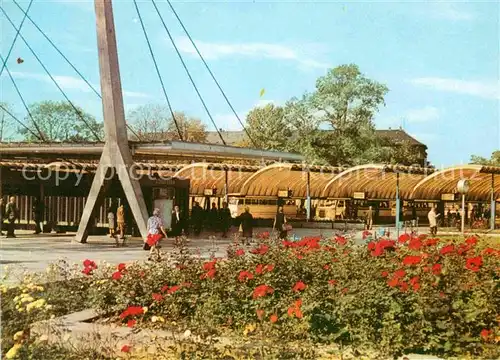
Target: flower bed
390, 297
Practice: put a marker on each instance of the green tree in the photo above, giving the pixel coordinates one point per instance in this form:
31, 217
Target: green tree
493, 161
7, 123
191, 128
268, 128
58, 121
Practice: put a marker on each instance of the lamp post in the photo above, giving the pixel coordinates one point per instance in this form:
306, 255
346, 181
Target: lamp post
463, 188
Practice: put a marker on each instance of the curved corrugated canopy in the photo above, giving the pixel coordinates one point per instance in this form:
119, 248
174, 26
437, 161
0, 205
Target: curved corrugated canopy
445, 182
375, 180
207, 176
282, 176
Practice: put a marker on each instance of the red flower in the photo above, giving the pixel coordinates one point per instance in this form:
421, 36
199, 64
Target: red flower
142, 274
341, 240
245, 275
89, 263
436, 269
87, 271
378, 248
403, 286
326, 267
117, 275
157, 297
474, 263
404, 238
131, 323
210, 265
463, 249
126, 348
447, 249
416, 287
345, 290
299, 286
121, 267
132, 311
471, 241
332, 282
411, 260
441, 294
485, 334
366, 234
239, 252
384, 274
164, 288
431, 242
372, 245
259, 269
415, 244
260, 313
173, 289
393, 282
262, 290
270, 267
264, 235
273, 318
261, 250
295, 309
399, 273
491, 251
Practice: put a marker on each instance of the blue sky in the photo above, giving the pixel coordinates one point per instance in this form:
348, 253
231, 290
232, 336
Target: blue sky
439, 59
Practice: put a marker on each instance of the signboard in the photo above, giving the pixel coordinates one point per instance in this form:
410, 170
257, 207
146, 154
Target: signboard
210, 192
283, 193
448, 197
359, 195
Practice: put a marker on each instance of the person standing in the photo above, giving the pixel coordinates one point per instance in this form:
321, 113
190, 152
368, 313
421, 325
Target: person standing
12, 214
156, 232
120, 221
177, 223
432, 216
225, 219
369, 218
213, 217
2, 215
280, 223
197, 218
37, 210
246, 226
111, 223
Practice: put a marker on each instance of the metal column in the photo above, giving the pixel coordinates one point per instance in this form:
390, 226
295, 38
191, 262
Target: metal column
463, 214
226, 186
493, 206
308, 196
398, 205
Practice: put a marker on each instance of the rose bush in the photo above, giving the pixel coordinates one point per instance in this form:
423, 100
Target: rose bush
391, 296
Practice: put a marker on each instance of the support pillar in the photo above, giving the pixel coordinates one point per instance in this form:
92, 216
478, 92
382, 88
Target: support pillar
226, 186
308, 196
398, 206
116, 157
493, 203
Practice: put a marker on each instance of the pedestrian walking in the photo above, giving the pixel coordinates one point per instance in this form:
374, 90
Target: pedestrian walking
246, 226
12, 214
177, 224
120, 221
197, 218
156, 232
225, 219
37, 210
280, 223
369, 219
432, 216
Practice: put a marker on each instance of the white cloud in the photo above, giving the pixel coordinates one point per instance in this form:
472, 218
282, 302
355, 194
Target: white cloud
487, 90
451, 11
424, 114
70, 83
303, 56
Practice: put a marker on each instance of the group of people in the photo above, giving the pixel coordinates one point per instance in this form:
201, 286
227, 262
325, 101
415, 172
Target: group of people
9, 215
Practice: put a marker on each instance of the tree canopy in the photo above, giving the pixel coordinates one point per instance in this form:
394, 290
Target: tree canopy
331, 125
153, 122
494, 160
58, 121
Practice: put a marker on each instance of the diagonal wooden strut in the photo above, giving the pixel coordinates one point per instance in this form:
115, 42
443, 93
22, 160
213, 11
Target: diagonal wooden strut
116, 157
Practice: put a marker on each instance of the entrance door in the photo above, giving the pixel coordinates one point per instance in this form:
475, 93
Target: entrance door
166, 206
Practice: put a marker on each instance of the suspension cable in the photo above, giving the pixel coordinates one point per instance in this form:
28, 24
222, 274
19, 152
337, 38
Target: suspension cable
67, 60
15, 38
24, 102
77, 111
158, 70
188, 73
20, 122
210, 72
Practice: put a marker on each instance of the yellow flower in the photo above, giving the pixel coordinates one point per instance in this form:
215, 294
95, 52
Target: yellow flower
11, 354
18, 335
145, 309
250, 328
35, 305
157, 319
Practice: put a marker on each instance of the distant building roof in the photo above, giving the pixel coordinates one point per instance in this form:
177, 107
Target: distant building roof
233, 137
